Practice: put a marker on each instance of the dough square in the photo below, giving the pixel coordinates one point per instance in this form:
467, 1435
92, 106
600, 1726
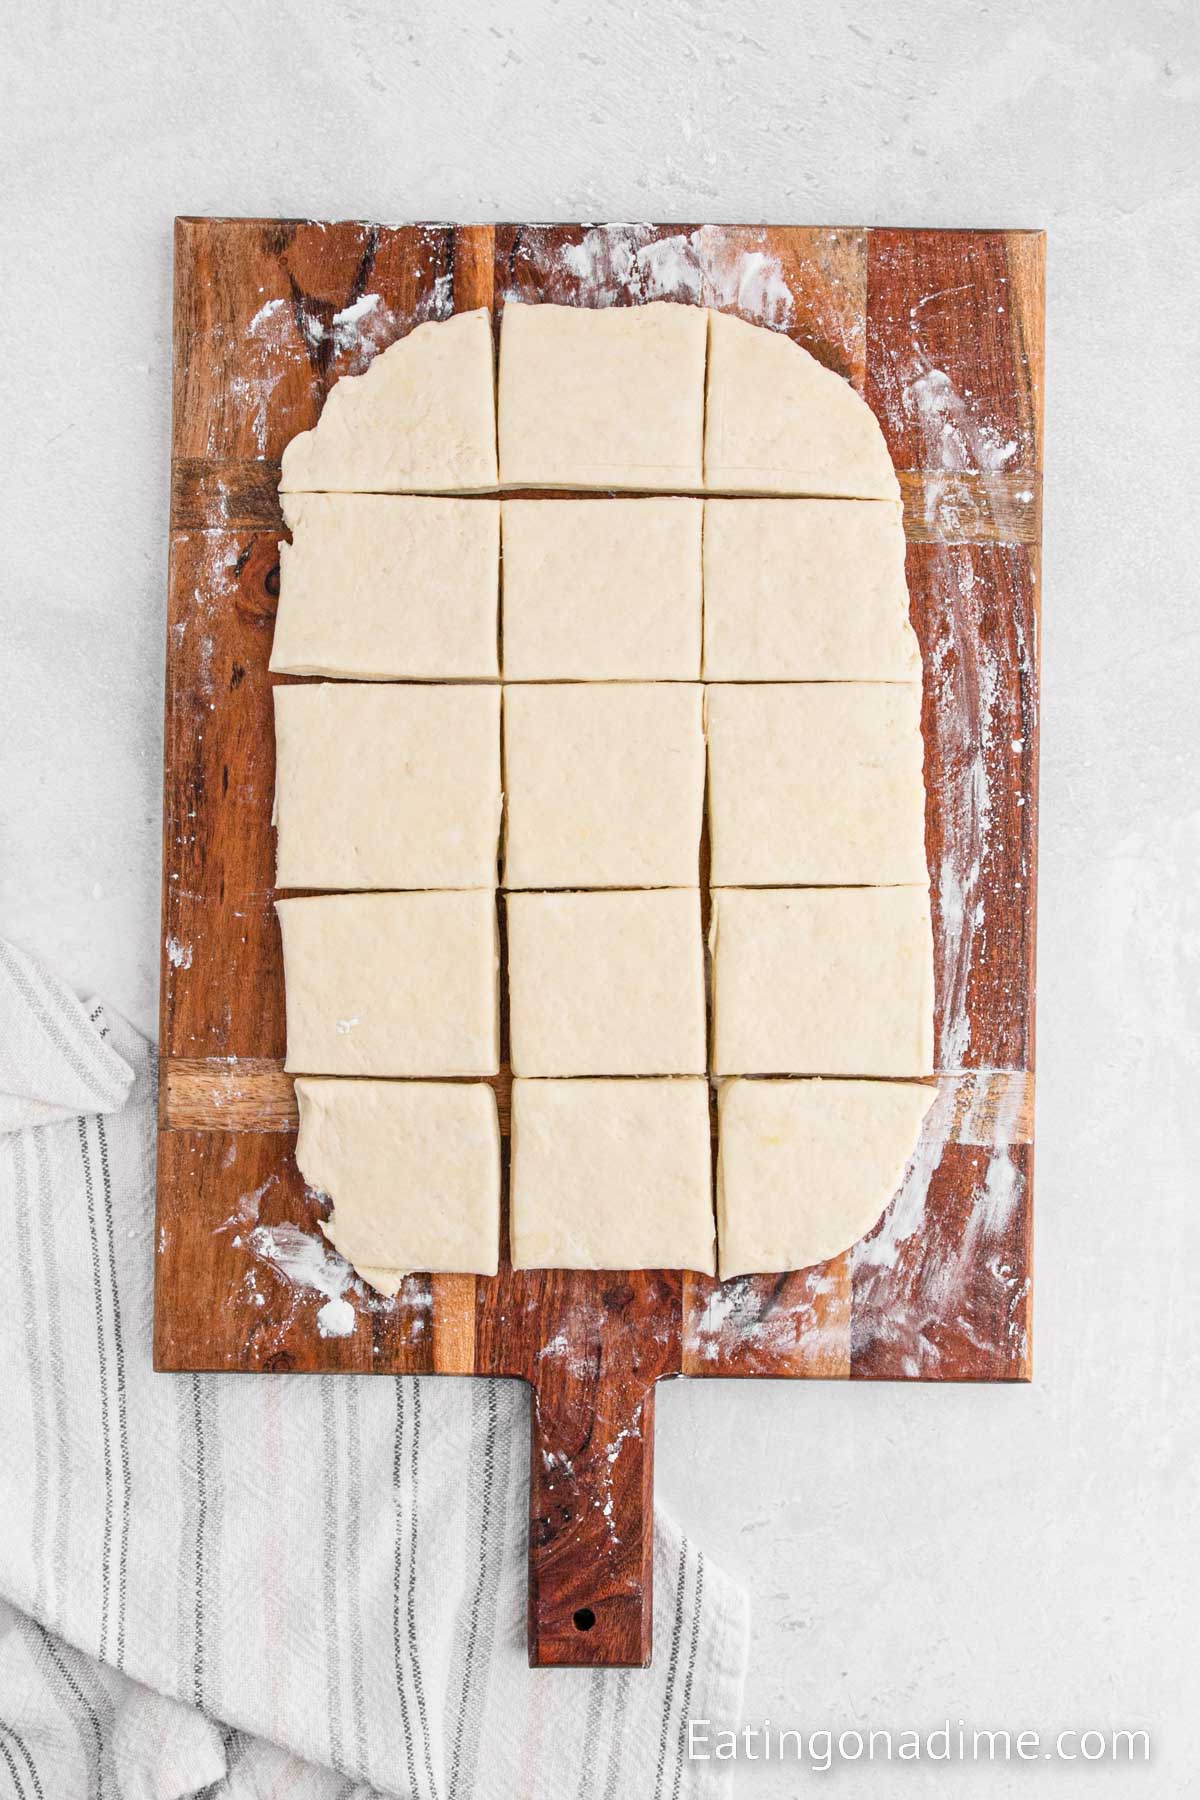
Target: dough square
606, 983
413, 1171
609, 397
611, 1175
806, 590
806, 1168
421, 419
386, 786
602, 590
822, 981
605, 784
778, 422
816, 784
392, 984
383, 585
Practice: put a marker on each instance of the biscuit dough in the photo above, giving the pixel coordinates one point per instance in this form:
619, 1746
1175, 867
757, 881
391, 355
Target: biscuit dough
604, 784
822, 981
377, 586
805, 1168
614, 611
386, 786
608, 397
421, 419
816, 784
611, 1175
606, 983
806, 590
602, 590
779, 422
413, 1171
391, 984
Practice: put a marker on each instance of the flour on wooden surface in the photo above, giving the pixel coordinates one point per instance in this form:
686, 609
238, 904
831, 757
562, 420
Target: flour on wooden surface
705, 267
965, 671
304, 1261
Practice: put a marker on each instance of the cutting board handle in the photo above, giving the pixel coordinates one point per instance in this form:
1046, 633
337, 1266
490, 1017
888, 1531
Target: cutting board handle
591, 1513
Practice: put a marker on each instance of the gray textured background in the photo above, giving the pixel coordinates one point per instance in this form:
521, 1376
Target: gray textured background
1019, 1557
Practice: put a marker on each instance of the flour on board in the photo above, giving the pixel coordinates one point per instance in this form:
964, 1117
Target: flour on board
964, 669
705, 267
304, 1261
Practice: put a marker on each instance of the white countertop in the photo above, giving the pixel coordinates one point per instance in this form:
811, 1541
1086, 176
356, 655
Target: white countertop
1020, 1557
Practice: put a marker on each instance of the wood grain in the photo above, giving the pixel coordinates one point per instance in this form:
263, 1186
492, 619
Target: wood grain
948, 507
942, 332
254, 1093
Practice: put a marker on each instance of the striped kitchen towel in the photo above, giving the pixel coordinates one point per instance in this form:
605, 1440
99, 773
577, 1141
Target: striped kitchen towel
254, 1585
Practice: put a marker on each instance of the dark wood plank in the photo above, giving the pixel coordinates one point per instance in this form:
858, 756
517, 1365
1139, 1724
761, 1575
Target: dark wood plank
592, 1346
955, 348
975, 610
942, 1288
221, 991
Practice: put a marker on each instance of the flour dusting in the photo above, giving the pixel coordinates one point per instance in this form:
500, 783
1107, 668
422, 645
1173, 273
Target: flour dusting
252, 394
246, 1211
350, 336
953, 437
618, 264
915, 1275
745, 1311
305, 1262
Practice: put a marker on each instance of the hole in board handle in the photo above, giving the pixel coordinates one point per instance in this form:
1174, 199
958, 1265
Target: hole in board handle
584, 1619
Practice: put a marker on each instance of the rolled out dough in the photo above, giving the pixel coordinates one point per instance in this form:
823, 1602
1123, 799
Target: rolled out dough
605, 784
607, 397
384, 585
602, 590
806, 1167
794, 609
387, 786
779, 422
816, 784
391, 984
421, 419
806, 590
611, 1175
606, 983
413, 1170
822, 981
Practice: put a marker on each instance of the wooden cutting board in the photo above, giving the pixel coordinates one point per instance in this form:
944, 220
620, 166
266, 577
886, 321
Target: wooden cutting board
942, 332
